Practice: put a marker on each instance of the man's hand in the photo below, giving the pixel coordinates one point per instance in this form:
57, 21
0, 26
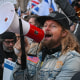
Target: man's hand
17, 47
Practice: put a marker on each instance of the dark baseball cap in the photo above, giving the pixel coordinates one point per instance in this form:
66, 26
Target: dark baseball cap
55, 16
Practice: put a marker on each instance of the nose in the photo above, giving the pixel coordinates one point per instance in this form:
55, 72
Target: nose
47, 28
11, 43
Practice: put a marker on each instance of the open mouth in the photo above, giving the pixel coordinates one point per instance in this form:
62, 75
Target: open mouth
48, 36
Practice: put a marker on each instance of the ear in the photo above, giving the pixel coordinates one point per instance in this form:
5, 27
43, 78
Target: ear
64, 33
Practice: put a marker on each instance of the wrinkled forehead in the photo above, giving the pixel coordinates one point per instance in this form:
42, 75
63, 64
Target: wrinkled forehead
51, 22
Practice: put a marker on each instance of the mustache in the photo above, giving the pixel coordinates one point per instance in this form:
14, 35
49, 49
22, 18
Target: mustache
46, 32
10, 47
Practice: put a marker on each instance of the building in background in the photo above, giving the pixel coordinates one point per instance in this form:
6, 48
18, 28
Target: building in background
22, 4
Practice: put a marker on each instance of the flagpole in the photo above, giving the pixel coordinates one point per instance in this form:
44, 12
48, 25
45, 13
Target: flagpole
30, 7
51, 4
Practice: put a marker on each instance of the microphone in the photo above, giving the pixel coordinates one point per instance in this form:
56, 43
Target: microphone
10, 22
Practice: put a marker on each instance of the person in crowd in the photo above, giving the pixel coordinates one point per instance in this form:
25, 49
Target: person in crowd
58, 56
32, 20
76, 6
50, 10
76, 27
7, 42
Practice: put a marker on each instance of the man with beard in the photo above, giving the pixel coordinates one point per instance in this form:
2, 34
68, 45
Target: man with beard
8, 40
58, 55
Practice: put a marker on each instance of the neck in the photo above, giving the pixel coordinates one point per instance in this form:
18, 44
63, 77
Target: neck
46, 51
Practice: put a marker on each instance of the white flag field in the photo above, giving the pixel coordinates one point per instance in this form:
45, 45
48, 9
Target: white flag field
42, 9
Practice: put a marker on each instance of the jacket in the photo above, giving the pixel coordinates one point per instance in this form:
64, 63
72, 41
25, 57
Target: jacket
3, 55
54, 67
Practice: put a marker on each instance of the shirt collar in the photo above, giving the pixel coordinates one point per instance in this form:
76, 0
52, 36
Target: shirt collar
56, 55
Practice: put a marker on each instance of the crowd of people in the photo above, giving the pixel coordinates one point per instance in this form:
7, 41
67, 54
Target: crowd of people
56, 57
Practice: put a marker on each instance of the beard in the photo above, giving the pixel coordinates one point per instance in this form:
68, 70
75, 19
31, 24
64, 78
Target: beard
51, 43
47, 43
6, 49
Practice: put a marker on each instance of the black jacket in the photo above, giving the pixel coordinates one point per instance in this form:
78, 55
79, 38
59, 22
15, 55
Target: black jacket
76, 76
3, 55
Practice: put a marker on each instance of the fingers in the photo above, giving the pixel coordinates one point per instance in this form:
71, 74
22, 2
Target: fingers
16, 51
27, 45
17, 45
26, 42
3, 65
10, 59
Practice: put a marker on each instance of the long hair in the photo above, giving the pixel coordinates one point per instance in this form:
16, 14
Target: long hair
70, 43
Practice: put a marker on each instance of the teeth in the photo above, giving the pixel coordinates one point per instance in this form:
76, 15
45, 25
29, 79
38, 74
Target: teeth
45, 33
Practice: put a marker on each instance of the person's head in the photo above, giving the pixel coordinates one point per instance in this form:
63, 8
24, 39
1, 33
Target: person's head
32, 20
56, 28
8, 41
76, 4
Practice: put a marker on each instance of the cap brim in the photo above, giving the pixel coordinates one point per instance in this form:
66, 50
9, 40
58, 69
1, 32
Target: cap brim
42, 19
62, 20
